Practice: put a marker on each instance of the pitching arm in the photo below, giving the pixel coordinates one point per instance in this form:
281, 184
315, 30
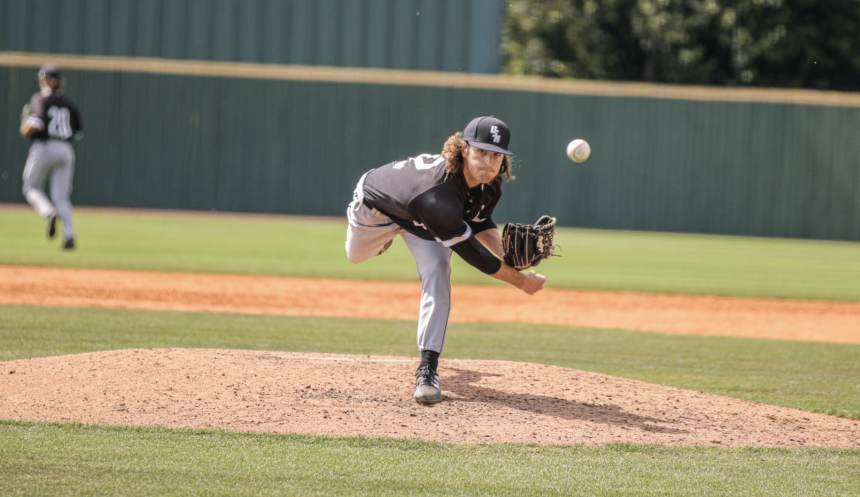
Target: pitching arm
473, 251
530, 282
492, 239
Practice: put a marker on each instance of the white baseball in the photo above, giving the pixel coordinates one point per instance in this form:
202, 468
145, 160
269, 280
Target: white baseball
578, 150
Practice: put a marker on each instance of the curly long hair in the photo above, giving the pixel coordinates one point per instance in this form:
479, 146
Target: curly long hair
453, 153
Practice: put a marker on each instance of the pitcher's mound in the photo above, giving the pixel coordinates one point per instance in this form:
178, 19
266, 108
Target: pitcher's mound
339, 395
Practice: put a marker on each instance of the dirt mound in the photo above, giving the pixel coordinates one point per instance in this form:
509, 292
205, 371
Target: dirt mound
338, 395
485, 401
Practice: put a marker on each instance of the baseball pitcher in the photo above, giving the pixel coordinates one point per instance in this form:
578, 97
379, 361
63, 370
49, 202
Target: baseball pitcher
51, 120
439, 204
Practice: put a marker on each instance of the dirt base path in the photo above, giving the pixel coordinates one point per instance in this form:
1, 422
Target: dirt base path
318, 394
701, 315
485, 401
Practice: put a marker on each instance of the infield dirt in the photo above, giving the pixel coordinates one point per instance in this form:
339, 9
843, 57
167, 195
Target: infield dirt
818, 321
485, 401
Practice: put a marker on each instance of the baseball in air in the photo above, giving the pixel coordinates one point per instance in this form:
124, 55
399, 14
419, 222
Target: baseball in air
578, 150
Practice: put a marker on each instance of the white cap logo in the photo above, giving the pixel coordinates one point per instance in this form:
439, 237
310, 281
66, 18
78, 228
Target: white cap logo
494, 130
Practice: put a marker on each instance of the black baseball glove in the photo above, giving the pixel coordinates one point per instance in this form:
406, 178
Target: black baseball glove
526, 244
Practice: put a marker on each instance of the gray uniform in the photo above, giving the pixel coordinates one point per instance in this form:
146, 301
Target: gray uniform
436, 213
52, 158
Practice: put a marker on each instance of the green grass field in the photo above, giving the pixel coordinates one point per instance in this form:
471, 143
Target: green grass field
70, 459
74, 460
590, 259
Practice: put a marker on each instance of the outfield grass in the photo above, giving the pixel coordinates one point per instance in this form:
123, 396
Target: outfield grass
50, 459
591, 259
74, 460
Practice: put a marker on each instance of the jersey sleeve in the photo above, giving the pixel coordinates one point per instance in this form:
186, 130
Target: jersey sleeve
477, 255
77, 120
484, 225
440, 216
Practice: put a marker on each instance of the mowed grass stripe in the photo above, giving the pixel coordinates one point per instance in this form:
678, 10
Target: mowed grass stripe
49, 459
816, 377
313, 247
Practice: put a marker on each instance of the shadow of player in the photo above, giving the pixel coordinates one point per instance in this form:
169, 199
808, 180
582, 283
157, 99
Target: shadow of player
463, 383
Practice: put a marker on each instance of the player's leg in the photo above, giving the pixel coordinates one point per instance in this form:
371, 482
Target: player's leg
35, 175
434, 270
369, 232
61, 188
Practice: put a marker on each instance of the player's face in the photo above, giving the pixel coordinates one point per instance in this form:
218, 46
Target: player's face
481, 166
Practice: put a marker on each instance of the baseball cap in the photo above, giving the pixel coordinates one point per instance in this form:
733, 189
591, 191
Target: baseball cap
49, 71
488, 133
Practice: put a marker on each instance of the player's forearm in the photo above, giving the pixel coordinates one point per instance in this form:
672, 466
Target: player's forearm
477, 255
530, 282
509, 275
492, 239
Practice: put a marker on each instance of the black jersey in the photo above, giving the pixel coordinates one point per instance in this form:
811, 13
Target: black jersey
424, 199
55, 116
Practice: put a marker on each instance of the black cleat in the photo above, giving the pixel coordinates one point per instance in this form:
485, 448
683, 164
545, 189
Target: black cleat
69, 245
52, 224
427, 389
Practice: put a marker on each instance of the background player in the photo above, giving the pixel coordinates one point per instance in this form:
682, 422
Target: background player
51, 120
439, 204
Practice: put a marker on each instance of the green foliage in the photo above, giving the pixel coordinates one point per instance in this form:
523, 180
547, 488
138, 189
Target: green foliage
39, 459
798, 44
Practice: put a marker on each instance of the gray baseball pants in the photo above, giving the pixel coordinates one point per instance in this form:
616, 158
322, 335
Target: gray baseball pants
52, 160
367, 235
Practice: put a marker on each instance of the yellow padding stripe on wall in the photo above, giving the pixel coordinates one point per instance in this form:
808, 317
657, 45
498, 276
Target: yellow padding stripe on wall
430, 78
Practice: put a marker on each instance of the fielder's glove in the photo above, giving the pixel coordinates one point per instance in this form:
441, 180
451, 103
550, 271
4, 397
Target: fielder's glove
526, 245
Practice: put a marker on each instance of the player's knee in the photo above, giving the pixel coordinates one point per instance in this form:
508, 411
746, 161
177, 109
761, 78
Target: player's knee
355, 256
436, 268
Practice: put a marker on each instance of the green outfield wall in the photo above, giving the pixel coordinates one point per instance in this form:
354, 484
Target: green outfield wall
432, 35
295, 140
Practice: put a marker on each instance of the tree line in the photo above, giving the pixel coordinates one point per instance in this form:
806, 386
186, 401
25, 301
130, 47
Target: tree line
753, 43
